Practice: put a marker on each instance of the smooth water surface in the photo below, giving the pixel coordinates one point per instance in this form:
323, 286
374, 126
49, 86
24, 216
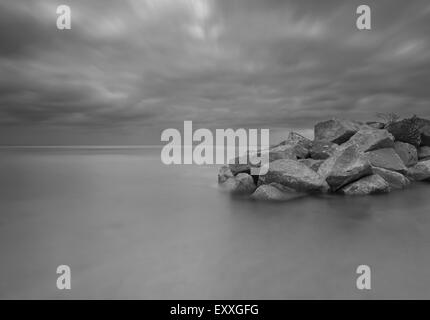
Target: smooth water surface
130, 227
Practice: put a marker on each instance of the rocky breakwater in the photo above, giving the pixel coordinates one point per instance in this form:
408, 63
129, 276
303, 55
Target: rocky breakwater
346, 157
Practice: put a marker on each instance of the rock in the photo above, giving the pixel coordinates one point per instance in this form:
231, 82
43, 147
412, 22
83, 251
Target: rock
386, 158
261, 180
335, 130
311, 163
245, 183
295, 175
372, 139
420, 172
242, 183
224, 174
407, 152
299, 144
244, 163
376, 124
229, 185
240, 165
347, 165
368, 185
425, 136
348, 157
424, 153
424, 129
321, 150
406, 130
275, 192
282, 152
296, 138
395, 180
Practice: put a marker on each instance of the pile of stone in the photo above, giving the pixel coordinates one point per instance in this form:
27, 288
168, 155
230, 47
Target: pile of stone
346, 157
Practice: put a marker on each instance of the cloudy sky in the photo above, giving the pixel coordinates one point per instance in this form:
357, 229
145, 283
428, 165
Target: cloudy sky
129, 69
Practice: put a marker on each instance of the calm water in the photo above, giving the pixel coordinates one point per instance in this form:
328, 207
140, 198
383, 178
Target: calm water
130, 227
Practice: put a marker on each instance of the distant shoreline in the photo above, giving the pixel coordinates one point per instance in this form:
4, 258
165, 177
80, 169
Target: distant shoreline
83, 147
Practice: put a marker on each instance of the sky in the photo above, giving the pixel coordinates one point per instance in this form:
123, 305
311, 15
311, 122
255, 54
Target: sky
129, 69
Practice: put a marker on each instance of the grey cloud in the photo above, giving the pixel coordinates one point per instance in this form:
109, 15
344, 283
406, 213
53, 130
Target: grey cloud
131, 65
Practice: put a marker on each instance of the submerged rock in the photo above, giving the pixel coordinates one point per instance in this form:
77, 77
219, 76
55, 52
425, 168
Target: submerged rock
394, 179
373, 184
229, 185
321, 150
386, 158
275, 192
295, 175
407, 152
345, 166
335, 130
420, 172
242, 183
224, 174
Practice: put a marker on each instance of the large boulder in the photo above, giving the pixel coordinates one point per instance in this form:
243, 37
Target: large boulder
424, 153
297, 138
312, 163
229, 185
424, 129
386, 158
321, 150
372, 139
298, 143
425, 136
275, 192
373, 184
406, 130
244, 163
243, 183
407, 152
335, 130
224, 174
420, 172
295, 175
240, 165
395, 180
284, 151
347, 165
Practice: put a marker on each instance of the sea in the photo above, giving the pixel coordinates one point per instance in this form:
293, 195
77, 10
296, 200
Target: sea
131, 227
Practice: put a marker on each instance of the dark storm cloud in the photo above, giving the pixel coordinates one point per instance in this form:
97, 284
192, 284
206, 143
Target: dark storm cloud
155, 63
